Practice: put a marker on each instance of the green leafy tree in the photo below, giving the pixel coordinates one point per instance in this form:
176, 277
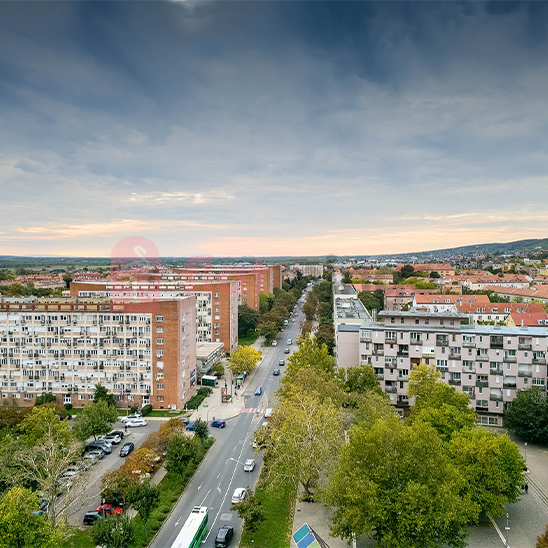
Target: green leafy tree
102, 394
305, 436
45, 398
373, 407
347, 277
201, 430
309, 310
20, 527
268, 330
180, 452
244, 359
527, 415
372, 300
361, 379
310, 357
326, 336
251, 511
266, 301
248, 319
395, 483
144, 499
96, 420
407, 271
492, 466
115, 531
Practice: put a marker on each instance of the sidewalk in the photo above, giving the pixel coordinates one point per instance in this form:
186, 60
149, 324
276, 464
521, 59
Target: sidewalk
212, 407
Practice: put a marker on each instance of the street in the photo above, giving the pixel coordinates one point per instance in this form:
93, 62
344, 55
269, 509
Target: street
222, 471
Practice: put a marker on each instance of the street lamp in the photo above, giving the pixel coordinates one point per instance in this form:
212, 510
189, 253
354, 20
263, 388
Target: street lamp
507, 530
235, 460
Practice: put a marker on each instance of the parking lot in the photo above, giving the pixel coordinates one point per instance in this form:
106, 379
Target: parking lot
90, 499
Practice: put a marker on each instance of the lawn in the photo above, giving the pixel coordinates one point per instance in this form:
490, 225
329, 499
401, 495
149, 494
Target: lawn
275, 530
249, 339
123, 412
78, 538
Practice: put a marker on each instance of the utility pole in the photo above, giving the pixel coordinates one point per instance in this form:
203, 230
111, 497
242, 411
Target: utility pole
507, 530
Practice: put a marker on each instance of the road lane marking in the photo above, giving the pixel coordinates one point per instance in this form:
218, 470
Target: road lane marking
218, 475
199, 486
205, 497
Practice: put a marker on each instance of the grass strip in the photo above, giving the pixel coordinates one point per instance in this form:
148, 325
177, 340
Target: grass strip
249, 339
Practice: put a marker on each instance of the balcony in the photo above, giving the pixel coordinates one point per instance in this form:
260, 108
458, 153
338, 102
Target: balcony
525, 346
455, 356
510, 384
469, 344
482, 407
378, 351
380, 376
365, 339
510, 359
482, 383
495, 397
416, 341
495, 371
442, 342
403, 353
482, 358
525, 373
390, 389
539, 361
455, 382
390, 340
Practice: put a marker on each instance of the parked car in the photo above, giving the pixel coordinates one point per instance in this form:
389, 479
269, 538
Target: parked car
286, 351
131, 417
102, 445
91, 517
249, 465
258, 391
109, 509
274, 343
276, 372
119, 433
224, 536
127, 449
190, 427
136, 423
92, 457
282, 362
218, 424
289, 341
186, 420
114, 439
239, 495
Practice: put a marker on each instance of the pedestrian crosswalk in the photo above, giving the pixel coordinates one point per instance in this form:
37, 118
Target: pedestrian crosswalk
258, 410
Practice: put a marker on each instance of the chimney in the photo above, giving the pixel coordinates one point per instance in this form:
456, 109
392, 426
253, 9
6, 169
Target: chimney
374, 314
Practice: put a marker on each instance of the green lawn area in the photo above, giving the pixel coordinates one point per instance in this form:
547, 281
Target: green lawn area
249, 339
123, 412
275, 530
78, 538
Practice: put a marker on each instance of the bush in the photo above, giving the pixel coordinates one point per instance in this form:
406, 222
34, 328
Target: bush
68, 406
203, 391
146, 410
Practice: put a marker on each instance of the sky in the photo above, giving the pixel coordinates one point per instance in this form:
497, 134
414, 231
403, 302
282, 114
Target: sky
271, 128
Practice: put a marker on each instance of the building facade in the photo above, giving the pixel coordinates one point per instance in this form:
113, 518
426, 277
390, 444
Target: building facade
141, 351
488, 363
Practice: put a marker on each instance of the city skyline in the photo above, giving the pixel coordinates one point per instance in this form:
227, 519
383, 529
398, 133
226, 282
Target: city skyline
271, 129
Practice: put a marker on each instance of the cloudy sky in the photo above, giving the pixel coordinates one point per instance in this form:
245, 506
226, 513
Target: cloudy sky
272, 128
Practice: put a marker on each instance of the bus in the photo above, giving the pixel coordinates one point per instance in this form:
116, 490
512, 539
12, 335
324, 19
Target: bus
193, 530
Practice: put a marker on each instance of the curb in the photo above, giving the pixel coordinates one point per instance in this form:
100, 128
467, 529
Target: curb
179, 499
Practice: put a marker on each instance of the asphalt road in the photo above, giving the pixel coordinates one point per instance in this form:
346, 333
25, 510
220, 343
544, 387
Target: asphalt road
90, 499
222, 471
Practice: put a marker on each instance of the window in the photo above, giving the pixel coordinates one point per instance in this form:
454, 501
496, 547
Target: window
159, 341
160, 386
66, 398
159, 330
159, 398
159, 318
159, 353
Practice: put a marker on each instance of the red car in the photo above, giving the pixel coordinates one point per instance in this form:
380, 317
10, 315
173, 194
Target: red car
109, 509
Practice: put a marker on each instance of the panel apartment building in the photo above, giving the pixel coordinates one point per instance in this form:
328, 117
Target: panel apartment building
488, 363
142, 351
216, 302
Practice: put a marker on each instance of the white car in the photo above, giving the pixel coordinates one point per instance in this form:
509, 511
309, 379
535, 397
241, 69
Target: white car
239, 495
136, 422
249, 465
289, 341
131, 417
113, 439
274, 343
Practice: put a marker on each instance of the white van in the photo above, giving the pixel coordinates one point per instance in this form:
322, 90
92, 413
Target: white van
285, 322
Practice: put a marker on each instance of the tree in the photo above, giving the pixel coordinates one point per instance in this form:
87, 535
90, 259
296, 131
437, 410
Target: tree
144, 499
306, 327
305, 436
542, 541
372, 300
244, 359
201, 430
310, 357
251, 511
45, 398
96, 420
361, 379
407, 271
527, 415
248, 319
268, 330
266, 301
20, 527
180, 452
395, 483
101, 394
309, 310
115, 531
326, 336
435, 274
373, 407
492, 466
422, 381
347, 277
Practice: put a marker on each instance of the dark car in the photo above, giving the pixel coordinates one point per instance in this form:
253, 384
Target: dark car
127, 449
224, 536
218, 424
91, 517
276, 372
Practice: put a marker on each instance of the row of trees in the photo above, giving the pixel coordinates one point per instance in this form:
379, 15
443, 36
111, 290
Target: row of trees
319, 307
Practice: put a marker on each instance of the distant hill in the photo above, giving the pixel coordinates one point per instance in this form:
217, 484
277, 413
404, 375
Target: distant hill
519, 246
